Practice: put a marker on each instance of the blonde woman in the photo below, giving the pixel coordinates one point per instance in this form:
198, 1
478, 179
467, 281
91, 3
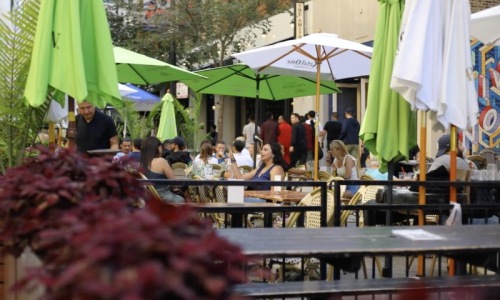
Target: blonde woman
344, 165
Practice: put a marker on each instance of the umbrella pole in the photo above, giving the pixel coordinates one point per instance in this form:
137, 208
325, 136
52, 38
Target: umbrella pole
257, 109
71, 132
315, 146
453, 189
422, 177
52, 139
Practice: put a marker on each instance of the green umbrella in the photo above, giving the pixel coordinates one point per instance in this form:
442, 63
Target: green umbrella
389, 125
241, 81
136, 68
168, 127
72, 52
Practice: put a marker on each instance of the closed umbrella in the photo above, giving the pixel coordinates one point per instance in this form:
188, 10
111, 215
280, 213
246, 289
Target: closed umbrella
136, 68
389, 125
72, 53
484, 25
319, 56
167, 128
438, 30
242, 81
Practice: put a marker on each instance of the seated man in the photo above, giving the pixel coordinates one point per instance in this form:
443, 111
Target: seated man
242, 158
443, 155
179, 153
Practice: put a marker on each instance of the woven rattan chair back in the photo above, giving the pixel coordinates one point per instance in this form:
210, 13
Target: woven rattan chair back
479, 161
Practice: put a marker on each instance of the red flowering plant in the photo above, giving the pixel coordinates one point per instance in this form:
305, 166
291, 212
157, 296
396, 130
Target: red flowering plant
137, 255
34, 195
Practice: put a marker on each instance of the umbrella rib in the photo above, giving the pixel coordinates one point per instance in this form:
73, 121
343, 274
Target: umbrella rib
138, 74
295, 48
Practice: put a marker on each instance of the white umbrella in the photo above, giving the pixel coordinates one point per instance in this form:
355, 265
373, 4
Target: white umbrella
337, 58
485, 25
433, 68
319, 56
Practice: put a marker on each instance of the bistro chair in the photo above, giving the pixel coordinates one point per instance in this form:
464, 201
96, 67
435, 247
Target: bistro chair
325, 176
245, 169
220, 197
292, 177
479, 161
489, 155
311, 220
149, 187
179, 170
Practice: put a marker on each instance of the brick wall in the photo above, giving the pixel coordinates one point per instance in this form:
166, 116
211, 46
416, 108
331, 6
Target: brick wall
477, 5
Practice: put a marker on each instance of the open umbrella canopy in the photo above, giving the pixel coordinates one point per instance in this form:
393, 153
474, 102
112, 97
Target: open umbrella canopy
136, 68
241, 81
143, 100
337, 58
167, 128
322, 56
484, 25
389, 126
72, 52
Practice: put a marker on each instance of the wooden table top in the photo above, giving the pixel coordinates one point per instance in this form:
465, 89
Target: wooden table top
283, 196
337, 241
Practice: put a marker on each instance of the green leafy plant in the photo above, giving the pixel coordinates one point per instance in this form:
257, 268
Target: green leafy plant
34, 195
136, 125
79, 215
138, 255
19, 123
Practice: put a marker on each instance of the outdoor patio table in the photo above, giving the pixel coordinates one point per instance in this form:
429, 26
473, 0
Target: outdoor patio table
102, 152
283, 196
239, 210
356, 241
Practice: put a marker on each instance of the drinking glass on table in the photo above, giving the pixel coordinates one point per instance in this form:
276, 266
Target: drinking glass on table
492, 171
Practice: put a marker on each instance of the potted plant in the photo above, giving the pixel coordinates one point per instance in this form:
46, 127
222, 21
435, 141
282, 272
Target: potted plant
79, 215
35, 194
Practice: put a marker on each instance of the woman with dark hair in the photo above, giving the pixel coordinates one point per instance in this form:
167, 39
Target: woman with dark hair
156, 167
272, 164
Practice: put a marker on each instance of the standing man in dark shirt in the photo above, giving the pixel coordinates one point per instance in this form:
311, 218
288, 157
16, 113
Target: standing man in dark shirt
298, 148
94, 129
269, 130
350, 133
332, 130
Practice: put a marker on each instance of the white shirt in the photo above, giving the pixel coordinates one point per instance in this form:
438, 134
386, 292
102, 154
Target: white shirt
249, 132
198, 163
243, 159
320, 126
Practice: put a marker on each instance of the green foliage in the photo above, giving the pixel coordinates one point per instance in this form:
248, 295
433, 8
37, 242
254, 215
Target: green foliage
137, 125
187, 120
19, 123
200, 31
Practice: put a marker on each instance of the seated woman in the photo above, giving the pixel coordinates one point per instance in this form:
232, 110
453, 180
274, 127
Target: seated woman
344, 165
272, 164
156, 167
205, 157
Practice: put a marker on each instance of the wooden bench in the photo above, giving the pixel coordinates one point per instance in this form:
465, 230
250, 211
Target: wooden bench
472, 284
